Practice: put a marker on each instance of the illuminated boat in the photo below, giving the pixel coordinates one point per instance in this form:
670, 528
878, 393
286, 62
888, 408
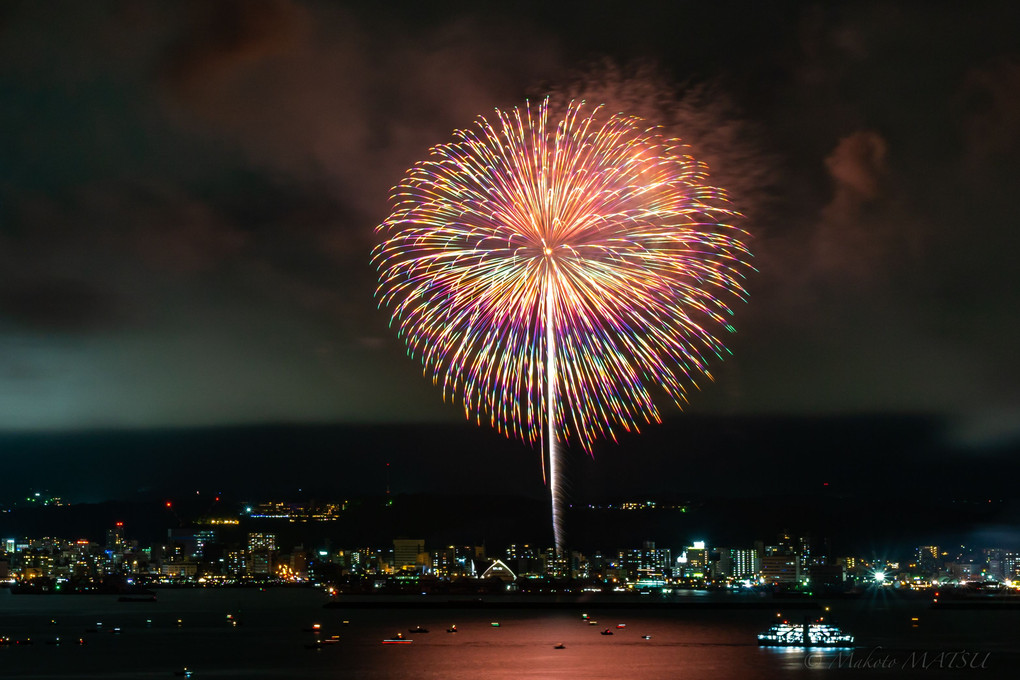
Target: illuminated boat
397, 639
417, 629
808, 634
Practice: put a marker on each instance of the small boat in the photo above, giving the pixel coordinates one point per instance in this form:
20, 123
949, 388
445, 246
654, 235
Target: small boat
646, 637
560, 646
398, 639
494, 624
452, 629
316, 627
592, 622
417, 629
621, 625
607, 631
183, 673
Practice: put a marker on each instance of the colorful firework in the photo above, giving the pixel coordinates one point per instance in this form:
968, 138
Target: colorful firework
556, 276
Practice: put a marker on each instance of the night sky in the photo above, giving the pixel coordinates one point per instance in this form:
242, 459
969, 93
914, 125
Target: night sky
188, 193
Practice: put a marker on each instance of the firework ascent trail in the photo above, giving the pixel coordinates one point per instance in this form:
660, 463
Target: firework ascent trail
552, 272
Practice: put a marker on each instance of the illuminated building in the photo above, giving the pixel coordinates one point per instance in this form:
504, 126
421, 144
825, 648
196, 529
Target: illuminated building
812, 552
297, 512
738, 563
115, 538
499, 570
646, 566
555, 563
261, 550
454, 561
994, 563
693, 562
526, 559
1010, 564
778, 569
408, 553
927, 558
203, 538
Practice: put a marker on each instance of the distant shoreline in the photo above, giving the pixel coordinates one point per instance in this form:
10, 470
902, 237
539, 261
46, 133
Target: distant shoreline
382, 602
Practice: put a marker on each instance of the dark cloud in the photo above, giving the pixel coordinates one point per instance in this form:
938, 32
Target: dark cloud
857, 166
334, 100
990, 101
853, 235
57, 306
219, 37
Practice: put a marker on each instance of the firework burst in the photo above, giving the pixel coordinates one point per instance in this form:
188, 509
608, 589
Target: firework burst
557, 273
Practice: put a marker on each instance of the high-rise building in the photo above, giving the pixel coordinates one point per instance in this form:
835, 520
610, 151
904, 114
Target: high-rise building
745, 563
555, 563
203, 538
525, 560
1010, 564
813, 551
261, 550
408, 553
115, 538
927, 558
780, 569
646, 566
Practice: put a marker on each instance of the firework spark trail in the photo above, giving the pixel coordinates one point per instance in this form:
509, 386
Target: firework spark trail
552, 273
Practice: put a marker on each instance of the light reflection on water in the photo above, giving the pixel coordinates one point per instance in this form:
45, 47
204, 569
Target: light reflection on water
270, 643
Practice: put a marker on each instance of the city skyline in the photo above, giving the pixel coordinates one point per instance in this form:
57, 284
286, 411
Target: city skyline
229, 548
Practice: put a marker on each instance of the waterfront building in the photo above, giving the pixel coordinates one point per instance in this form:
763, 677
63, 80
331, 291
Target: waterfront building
693, 562
499, 570
261, 551
737, 563
409, 554
780, 569
927, 558
1011, 564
